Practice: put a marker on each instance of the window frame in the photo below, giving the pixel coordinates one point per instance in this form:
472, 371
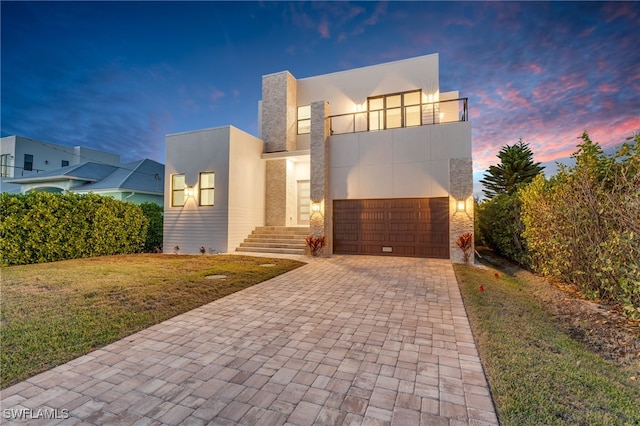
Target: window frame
5, 165
383, 113
30, 163
203, 188
65, 163
306, 119
175, 191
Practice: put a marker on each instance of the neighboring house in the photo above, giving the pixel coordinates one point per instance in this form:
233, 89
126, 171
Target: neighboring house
137, 182
376, 159
23, 157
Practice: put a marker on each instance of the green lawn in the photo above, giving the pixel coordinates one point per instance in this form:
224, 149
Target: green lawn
51, 313
538, 374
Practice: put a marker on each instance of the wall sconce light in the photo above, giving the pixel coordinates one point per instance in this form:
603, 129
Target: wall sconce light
189, 192
461, 205
315, 207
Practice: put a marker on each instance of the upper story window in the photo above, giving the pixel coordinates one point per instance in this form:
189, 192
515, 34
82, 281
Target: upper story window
178, 187
5, 165
65, 163
394, 110
28, 162
207, 186
304, 119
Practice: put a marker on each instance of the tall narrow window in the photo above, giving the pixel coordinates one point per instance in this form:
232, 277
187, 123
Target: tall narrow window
4, 165
376, 113
207, 186
412, 115
304, 119
177, 190
28, 162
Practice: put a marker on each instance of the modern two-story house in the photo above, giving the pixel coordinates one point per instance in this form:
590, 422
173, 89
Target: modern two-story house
375, 159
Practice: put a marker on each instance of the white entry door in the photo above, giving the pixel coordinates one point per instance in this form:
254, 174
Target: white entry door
304, 202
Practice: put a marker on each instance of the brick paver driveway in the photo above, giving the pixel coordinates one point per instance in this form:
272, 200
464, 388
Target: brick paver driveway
344, 340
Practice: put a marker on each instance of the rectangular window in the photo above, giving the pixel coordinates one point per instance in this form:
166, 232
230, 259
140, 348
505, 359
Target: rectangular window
65, 163
4, 165
376, 113
304, 119
178, 187
28, 162
207, 185
395, 110
412, 114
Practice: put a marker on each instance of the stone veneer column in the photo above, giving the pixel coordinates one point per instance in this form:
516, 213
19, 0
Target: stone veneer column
460, 188
319, 153
276, 193
279, 112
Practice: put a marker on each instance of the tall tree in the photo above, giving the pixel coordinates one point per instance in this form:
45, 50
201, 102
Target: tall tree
516, 167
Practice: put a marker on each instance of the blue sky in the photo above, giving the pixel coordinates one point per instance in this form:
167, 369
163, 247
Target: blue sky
119, 76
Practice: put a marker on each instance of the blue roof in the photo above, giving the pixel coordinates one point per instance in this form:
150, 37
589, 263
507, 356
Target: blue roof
139, 176
143, 176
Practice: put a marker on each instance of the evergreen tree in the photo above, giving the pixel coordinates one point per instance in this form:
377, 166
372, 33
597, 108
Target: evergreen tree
516, 167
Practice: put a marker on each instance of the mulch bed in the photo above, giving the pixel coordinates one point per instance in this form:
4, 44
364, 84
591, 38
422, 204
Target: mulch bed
601, 327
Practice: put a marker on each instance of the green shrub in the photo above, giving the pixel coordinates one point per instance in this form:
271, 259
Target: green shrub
45, 227
583, 225
153, 213
501, 228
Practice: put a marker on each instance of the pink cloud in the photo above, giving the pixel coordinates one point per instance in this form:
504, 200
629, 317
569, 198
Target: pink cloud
535, 68
615, 10
587, 32
323, 29
607, 88
216, 94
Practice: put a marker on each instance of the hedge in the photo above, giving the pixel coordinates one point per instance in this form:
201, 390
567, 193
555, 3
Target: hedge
45, 227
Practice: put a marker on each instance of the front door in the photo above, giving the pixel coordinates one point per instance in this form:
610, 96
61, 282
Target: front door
304, 202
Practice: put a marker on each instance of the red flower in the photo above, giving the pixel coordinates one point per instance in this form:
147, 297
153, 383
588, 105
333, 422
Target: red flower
497, 275
481, 288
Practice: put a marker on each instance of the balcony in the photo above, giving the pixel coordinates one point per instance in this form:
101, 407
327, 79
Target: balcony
449, 111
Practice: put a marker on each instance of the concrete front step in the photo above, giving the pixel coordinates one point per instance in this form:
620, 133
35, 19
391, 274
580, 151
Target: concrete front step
276, 239
273, 244
270, 250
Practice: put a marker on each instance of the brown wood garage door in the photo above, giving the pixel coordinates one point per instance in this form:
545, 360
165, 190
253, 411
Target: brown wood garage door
416, 227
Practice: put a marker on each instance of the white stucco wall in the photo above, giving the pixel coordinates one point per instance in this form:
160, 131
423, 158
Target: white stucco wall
346, 91
246, 186
399, 163
343, 90
193, 226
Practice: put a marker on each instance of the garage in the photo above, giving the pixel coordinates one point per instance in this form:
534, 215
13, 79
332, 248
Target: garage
412, 227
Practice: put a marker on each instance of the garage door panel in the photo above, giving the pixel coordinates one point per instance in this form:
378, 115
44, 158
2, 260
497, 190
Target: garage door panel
392, 227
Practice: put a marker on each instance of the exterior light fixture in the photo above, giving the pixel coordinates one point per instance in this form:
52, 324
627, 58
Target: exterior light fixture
461, 205
315, 207
189, 192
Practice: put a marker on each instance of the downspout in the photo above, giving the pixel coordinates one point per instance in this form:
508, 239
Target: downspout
129, 196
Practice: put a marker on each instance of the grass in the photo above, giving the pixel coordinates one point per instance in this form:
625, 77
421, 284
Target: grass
537, 373
53, 312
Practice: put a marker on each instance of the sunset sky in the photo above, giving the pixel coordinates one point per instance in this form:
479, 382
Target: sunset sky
119, 76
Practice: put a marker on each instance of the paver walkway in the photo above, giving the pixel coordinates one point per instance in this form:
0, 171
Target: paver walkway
344, 340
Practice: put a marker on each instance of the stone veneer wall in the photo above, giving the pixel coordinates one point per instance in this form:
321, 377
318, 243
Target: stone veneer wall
319, 185
460, 188
276, 193
279, 112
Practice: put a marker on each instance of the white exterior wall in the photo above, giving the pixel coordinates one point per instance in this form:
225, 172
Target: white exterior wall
399, 163
193, 226
346, 89
246, 186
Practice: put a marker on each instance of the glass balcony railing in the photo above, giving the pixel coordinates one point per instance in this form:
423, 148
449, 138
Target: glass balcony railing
449, 111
